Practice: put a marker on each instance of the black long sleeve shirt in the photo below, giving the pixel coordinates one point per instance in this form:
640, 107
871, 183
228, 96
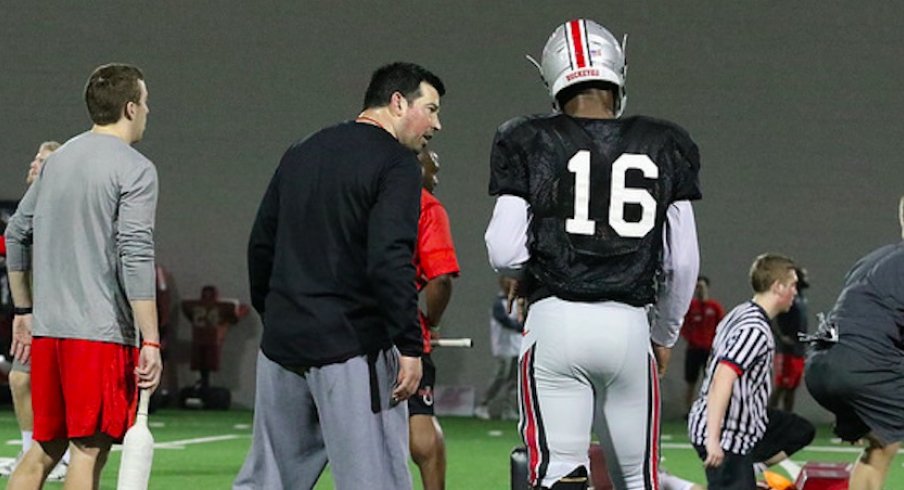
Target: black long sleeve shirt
330, 253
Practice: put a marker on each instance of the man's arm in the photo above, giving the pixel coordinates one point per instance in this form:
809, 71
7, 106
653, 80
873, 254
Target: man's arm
716, 405
680, 267
262, 245
506, 235
437, 292
392, 234
18, 237
135, 242
150, 364
686, 325
20, 288
21, 292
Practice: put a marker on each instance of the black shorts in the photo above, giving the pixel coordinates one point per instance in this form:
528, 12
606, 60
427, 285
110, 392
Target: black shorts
786, 432
866, 395
421, 403
694, 363
735, 472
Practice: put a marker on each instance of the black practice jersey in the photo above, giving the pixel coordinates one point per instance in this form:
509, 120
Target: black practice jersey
791, 323
598, 191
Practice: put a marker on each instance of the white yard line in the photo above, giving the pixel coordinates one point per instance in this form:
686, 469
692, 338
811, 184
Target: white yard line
791, 467
818, 449
180, 444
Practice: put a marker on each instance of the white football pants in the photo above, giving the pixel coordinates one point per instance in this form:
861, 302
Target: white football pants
589, 367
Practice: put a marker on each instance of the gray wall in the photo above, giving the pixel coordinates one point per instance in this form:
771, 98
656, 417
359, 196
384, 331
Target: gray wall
795, 107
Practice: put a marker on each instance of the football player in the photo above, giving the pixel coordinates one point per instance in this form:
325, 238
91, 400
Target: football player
593, 214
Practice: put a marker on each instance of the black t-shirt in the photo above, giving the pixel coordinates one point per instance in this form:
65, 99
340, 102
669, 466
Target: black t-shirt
330, 254
869, 312
598, 191
789, 324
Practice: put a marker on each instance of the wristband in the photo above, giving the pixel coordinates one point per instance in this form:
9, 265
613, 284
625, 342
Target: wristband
22, 311
150, 343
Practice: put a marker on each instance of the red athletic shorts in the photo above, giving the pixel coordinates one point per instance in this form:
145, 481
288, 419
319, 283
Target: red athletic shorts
82, 387
788, 370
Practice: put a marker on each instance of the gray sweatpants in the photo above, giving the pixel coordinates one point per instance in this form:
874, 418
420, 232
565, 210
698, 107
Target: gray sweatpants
303, 421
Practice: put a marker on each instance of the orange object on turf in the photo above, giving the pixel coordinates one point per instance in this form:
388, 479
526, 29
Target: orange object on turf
777, 481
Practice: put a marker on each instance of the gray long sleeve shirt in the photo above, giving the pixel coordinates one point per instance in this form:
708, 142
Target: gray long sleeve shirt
88, 222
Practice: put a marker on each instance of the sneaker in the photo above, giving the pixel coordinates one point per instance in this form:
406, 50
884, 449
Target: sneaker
58, 473
482, 412
8, 467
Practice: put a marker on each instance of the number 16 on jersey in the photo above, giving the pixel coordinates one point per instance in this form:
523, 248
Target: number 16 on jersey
619, 196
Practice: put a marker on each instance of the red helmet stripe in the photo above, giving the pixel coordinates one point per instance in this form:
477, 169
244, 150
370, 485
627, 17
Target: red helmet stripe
577, 43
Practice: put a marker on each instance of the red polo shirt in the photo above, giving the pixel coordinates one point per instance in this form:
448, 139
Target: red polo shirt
700, 323
435, 254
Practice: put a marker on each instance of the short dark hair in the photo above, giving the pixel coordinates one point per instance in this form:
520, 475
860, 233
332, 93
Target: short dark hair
768, 268
110, 87
399, 77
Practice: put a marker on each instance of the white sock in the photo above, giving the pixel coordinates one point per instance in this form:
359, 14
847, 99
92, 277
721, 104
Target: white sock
26, 440
759, 468
66, 457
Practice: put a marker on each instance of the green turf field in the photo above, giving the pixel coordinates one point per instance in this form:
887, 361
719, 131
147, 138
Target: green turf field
203, 450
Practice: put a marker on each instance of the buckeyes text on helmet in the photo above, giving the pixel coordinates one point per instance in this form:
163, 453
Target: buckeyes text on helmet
580, 51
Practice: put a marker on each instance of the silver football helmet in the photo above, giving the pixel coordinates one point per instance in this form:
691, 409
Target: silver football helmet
580, 51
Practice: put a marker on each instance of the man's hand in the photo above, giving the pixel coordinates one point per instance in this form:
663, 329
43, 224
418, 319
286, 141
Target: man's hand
662, 355
510, 286
714, 453
149, 368
21, 345
410, 371
515, 295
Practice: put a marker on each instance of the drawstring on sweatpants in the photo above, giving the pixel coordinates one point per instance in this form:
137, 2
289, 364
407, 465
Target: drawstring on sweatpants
374, 385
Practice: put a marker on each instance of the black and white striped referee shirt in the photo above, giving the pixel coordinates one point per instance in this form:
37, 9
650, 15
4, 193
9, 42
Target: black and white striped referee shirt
743, 342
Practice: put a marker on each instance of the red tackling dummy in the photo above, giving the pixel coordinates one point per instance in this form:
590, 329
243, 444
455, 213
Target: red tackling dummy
210, 317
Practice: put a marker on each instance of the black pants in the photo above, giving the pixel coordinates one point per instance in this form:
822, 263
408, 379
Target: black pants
735, 472
786, 432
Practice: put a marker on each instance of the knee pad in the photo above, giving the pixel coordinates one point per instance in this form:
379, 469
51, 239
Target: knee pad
576, 480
